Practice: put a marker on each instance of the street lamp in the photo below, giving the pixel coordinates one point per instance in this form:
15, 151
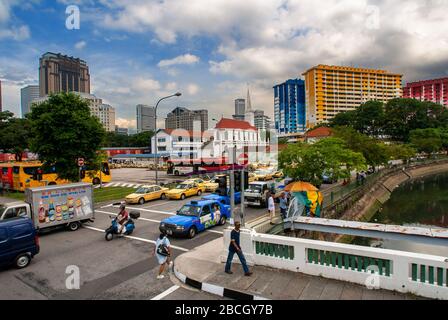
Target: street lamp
155, 136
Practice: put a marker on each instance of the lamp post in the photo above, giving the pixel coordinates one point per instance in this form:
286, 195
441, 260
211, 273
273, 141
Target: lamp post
155, 136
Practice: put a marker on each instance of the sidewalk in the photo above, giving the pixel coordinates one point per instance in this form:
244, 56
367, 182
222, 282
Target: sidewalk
203, 269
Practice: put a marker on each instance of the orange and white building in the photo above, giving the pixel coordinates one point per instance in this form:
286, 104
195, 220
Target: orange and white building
330, 90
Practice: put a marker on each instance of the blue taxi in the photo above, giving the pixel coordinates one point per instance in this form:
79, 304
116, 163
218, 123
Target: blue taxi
194, 217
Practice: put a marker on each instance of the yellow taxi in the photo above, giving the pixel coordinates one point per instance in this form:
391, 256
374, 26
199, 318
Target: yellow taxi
278, 174
263, 175
200, 182
184, 190
252, 177
147, 193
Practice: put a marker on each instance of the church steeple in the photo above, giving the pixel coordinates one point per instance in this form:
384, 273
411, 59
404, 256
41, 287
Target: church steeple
250, 115
248, 102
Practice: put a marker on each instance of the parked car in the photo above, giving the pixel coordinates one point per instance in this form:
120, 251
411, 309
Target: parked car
200, 182
195, 217
184, 190
146, 193
19, 242
263, 175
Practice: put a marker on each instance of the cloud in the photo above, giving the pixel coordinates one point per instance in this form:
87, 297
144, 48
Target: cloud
125, 123
192, 89
171, 86
80, 45
15, 33
142, 84
183, 59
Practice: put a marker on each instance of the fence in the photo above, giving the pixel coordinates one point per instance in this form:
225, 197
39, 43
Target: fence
419, 274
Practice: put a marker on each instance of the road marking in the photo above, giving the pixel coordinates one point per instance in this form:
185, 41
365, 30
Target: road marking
154, 221
157, 205
152, 211
136, 238
166, 293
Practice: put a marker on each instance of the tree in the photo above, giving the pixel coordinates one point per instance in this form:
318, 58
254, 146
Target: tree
426, 140
309, 162
14, 134
373, 151
142, 139
369, 118
344, 119
400, 152
64, 130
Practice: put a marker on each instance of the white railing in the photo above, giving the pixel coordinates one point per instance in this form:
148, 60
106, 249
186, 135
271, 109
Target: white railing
419, 274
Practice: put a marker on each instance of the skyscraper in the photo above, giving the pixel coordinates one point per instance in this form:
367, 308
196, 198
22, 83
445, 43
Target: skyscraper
59, 73
261, 121
331, 90
428, 90
146, 118
1, 105
183, 118
240, 109
28, 94
289, 107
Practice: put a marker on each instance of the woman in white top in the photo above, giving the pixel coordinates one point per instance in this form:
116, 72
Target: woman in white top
163, 259
271, 206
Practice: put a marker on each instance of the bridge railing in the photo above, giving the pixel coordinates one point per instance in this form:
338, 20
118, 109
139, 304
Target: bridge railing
419, 274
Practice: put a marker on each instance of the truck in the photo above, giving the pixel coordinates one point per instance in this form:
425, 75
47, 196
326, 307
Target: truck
48, 207
257, 194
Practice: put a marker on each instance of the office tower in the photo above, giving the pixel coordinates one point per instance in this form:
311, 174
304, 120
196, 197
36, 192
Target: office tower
261, 121
105, 113
28, 95
435, 90
183, 118
59, 73
146, 118
289, 107
240, 109
331, 90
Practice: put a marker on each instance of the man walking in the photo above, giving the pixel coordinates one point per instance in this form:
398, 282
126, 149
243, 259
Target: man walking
234, 247
271, 207
283, 205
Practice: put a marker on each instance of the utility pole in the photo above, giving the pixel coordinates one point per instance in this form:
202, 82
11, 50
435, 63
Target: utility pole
232, 187
243, 173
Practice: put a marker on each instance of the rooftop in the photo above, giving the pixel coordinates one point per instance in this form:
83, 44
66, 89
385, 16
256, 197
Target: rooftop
234, 124
319, 132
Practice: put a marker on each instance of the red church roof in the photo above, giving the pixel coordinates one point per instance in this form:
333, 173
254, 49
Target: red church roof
321, 132
234, 124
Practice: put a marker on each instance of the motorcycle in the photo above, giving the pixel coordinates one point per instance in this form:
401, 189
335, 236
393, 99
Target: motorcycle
130, 226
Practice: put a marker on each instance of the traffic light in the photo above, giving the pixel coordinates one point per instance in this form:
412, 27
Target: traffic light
222, 185
238, 175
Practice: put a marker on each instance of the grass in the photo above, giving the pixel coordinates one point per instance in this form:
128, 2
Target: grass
100, 195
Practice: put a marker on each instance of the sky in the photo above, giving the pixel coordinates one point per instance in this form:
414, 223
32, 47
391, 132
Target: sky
212, 50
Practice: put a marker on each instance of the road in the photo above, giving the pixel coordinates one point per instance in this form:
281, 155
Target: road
124, 268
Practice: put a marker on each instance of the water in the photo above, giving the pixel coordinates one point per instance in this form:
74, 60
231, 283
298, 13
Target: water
422, 202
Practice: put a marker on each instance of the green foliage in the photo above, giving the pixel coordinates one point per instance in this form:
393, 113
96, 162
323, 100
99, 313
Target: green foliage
344, 119
427, 140
400, 152
369, 118
14, 133
114, 140
309, 162
64, 130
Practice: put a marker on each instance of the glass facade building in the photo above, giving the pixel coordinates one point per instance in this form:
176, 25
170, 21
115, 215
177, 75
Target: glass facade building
289, 107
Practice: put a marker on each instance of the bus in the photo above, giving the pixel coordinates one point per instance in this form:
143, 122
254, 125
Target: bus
190, 167
30, 174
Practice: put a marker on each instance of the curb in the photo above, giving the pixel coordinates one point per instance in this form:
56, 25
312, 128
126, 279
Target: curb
214, 289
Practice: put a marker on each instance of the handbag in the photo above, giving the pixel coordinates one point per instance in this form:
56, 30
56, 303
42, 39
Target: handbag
162, 249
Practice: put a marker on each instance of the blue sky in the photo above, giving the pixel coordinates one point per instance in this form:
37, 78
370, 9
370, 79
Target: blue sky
209, 50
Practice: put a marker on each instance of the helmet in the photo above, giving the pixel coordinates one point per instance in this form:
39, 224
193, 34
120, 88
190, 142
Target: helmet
122, 206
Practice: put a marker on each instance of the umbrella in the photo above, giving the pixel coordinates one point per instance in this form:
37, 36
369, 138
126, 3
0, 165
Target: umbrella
300, 186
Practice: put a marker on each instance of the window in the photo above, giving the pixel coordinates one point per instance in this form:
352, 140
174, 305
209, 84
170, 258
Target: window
205, 211
14, 213
16, 170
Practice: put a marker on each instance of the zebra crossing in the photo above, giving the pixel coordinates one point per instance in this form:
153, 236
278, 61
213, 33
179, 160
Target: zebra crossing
120, 184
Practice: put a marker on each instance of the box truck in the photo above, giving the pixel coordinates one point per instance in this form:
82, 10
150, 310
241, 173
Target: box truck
54, 206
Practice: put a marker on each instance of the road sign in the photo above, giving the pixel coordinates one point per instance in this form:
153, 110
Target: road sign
243, 159
81, 162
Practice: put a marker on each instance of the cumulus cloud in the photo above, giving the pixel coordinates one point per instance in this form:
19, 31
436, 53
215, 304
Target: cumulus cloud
192, 89
125, 123
183, 59
80, 45
15, 33
143, 84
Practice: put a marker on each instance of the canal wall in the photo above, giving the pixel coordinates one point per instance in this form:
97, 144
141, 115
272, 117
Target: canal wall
378, 193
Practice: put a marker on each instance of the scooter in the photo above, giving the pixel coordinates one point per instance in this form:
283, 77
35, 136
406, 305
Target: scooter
130, 226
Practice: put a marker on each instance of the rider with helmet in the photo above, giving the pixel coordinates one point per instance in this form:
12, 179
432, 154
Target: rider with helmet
122, 219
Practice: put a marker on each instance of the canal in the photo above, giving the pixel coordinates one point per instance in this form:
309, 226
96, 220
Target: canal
421, 202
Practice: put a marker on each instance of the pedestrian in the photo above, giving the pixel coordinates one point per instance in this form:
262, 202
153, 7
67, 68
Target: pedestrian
283, 205
271, 207
163, 253
235, 247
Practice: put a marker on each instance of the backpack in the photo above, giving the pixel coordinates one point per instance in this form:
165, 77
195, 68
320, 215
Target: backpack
162, 249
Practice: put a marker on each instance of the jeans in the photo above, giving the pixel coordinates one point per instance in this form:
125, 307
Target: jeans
242, 259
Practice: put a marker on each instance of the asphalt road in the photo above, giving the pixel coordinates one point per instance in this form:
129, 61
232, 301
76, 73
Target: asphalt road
124, 268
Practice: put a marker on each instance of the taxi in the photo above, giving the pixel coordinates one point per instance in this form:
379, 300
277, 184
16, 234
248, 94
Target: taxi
195, 217
263, 175
147, 193
184, 190
213, 185
200, 182
278, 174
252, 177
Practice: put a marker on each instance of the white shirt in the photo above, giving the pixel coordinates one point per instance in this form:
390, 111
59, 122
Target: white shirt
271, 204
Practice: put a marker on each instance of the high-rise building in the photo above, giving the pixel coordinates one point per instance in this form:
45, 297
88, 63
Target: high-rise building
240, 109
1, 99
289, 107
146, 118
121, 131
331, 90
60, 73
105, 113
435, 90
28, 95
183, 118
261, 121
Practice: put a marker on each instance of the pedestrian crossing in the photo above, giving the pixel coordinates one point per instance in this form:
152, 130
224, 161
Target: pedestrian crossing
120, 184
